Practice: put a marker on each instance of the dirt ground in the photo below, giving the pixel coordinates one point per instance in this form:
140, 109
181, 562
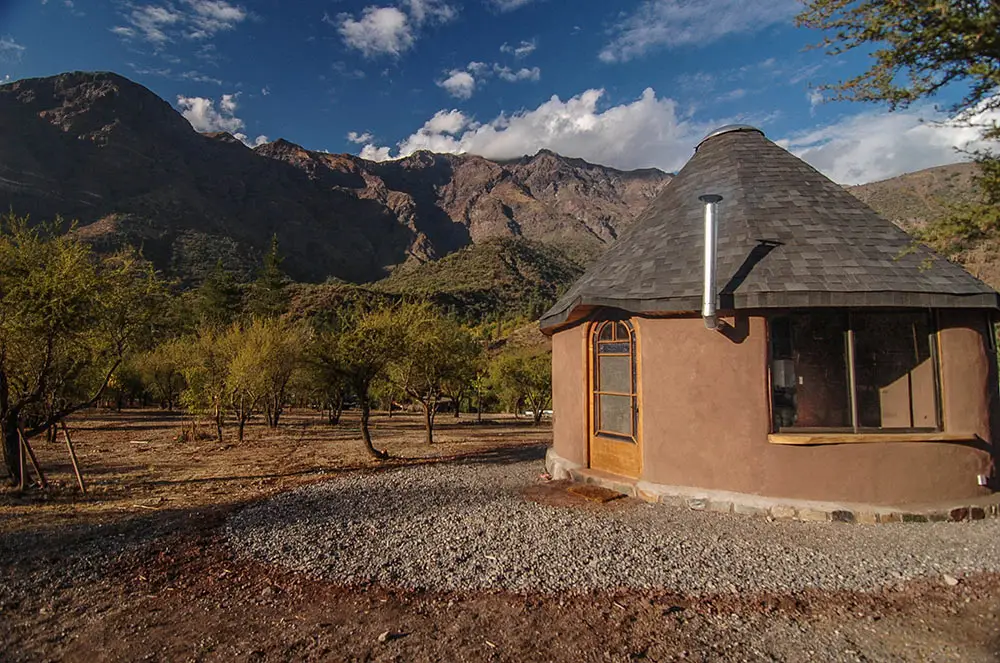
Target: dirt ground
138, 570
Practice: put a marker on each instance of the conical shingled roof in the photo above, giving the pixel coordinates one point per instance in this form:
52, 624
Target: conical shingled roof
788, 237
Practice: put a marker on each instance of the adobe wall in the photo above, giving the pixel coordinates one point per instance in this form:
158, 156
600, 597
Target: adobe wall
569, 393
704, 408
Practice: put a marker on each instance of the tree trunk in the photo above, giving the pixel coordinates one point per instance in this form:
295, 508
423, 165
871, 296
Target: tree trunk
243, 422
429, 408
479, 406
336, 408
12, 447
537, 414
366, 434
278, 407
218, 423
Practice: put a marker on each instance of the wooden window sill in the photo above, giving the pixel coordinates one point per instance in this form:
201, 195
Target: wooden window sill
804, 439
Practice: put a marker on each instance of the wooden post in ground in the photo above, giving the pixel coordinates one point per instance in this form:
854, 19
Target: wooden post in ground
72, 457
24, 469
26, 448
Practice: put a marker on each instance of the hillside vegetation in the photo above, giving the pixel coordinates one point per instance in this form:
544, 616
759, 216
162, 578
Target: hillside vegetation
499, 276
938, 206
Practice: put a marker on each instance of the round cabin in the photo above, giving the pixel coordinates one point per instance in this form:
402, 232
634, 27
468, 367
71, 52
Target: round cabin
759, 330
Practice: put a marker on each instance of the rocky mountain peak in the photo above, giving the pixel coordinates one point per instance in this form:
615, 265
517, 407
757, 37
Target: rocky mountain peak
96, 146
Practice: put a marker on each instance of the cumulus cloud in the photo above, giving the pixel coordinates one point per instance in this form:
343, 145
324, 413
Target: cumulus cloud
191, 19
205, 117
459, 84
523, 74
650, 131
10, 50
673, 23
355, 137
374, 153
478, 68
390, 30
644, 132
522, 50
379, 31
877, 145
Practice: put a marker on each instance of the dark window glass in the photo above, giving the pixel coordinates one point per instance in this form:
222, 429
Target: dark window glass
894, 382
893, 369
809, 371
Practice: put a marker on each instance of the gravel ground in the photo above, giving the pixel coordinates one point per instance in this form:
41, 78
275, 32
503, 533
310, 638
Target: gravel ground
469, 526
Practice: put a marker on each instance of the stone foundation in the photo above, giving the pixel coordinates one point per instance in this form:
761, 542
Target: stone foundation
721, 501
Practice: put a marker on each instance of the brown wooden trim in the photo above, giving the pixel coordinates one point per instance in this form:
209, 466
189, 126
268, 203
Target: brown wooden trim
801, 439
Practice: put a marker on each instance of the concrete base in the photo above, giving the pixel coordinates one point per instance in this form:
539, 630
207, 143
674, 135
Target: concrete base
720, 501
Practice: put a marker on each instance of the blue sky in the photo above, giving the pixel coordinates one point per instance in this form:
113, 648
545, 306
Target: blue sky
631, 83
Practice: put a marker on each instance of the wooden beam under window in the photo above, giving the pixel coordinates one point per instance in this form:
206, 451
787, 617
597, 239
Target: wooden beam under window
807, 439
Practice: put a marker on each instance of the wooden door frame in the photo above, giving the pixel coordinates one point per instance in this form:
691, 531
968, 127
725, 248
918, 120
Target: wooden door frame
590, 344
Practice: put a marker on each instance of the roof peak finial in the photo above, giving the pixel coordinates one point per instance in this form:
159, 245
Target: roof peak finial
729, 128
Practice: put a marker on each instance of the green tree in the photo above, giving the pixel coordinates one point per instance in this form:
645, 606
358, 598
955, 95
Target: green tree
267, 296
917, 49
368, 341
436, 358
68, 319
323, 376
206, 370
161, 370
524, 376
217, 300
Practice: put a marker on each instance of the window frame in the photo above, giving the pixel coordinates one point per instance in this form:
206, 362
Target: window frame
595, 379
851, 365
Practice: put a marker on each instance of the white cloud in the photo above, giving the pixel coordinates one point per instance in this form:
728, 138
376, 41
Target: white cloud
379, 31
10, 50
511, 76
522, 50
459, 84
265, 91
205, 117
159, 24
433, 11
256, 142
644, 132
390, 30
650, 131
478, 68
355, 137
815, 98
674, 23
373, 153
877, 145
210, 16
508, 5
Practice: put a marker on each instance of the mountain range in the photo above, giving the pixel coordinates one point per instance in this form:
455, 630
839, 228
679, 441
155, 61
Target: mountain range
106, 152
109, 154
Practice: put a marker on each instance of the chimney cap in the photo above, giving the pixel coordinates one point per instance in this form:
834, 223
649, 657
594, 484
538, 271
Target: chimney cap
729, 128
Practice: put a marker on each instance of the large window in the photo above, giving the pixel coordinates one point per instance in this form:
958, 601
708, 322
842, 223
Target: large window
854, 371
614, 380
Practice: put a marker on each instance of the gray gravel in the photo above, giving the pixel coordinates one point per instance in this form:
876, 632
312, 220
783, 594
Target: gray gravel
467, 526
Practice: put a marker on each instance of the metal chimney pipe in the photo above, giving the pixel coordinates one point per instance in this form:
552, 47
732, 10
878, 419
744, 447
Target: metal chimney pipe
708, 311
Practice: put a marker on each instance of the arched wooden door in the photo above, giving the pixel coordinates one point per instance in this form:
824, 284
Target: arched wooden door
615, 444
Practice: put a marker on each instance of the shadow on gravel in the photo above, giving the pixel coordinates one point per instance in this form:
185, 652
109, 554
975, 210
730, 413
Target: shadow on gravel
48, 546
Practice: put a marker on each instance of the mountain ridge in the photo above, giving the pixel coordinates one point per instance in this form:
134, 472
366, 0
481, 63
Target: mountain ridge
97, 147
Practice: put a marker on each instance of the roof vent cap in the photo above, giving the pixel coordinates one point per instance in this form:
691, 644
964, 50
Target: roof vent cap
729, 128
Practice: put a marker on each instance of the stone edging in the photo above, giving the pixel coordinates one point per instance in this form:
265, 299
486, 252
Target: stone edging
720, 501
